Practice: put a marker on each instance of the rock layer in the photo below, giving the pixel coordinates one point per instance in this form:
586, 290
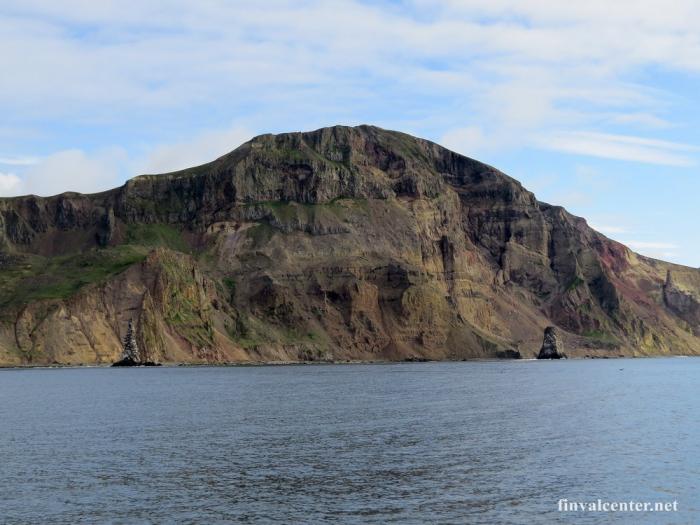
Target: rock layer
342, 243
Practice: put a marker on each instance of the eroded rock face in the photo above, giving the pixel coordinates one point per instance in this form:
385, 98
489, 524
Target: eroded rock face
342, 243
552, 347
682, 296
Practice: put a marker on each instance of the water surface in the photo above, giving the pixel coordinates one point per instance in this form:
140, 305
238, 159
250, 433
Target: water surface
475, 442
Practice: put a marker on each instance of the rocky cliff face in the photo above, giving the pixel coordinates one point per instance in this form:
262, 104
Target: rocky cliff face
343, 243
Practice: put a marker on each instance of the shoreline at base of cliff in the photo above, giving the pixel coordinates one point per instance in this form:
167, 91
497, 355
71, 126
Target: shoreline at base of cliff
340, 362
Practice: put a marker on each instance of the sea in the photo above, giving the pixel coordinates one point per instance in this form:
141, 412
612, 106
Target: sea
487, 442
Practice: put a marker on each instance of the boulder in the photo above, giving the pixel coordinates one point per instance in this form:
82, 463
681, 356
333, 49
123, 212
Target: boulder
126, 361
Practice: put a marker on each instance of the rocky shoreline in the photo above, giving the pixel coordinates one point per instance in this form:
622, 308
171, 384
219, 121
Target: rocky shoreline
340, 362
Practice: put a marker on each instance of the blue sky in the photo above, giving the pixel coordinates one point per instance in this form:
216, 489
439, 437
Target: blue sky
592, 106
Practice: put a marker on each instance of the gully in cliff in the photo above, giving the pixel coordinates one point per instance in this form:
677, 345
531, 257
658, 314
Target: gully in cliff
131, 356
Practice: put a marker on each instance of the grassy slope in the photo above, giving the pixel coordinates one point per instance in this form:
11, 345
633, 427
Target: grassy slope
29, 278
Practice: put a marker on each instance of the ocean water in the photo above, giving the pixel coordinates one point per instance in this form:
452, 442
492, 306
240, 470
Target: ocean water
474, 442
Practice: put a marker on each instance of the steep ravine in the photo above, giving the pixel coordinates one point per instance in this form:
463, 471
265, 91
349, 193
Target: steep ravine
342, 243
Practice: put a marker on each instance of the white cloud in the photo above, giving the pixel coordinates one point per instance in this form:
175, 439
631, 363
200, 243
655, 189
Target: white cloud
572, 199
77, 170
74, 170
10, 184
512, 64
643, 119
202, 148
603, 228
621, 147
18, 161
468, 141
659, 250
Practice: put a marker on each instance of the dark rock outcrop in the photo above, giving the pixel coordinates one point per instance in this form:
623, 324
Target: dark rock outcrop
130, 362
552, 347
126, 361
509, 354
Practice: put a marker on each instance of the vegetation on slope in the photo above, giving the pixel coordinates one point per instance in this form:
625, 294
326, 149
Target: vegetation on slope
26, 278
32, 277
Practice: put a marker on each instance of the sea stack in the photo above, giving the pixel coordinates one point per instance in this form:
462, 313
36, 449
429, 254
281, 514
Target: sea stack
130, 354
552, 347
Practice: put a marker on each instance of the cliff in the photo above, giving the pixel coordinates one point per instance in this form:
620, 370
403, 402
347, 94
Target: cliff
342, 243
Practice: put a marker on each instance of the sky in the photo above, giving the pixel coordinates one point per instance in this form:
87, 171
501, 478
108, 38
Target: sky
591, 105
